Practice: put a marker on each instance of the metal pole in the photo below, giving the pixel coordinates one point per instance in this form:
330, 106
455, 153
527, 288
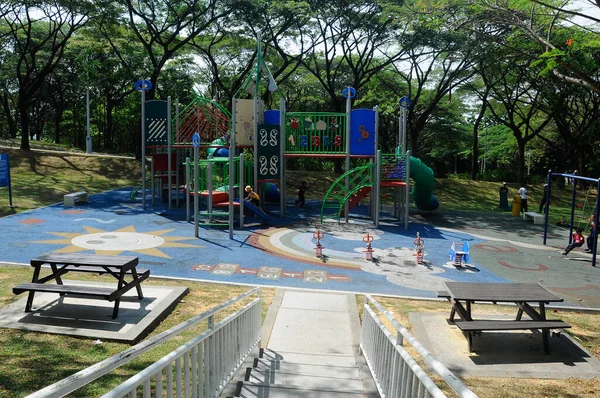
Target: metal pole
143, 148
241, 190
176, 151
152, 189
574, 193
547, 206
256, 121
404, 123
196, 178
377, 187
232, 167
88, 138
375, 203
187, 189
485, 152
169, 165
597, 214
282, 155
407, 194
210, 191
347, 180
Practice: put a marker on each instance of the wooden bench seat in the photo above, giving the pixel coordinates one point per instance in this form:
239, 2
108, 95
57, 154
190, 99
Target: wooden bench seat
71, 198
443, 294
487, 325
536, 217
82, 290
99, 271
469, 328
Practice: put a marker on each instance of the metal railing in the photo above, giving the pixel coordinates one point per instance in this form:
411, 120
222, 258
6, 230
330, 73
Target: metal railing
203, 366
395, 372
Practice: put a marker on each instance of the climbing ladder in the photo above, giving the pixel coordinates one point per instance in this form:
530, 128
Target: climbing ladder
360, 178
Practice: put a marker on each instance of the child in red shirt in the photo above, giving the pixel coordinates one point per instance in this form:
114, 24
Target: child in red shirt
578, 240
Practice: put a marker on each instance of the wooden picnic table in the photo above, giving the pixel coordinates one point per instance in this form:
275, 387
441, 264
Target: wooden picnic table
521, 294
119, 267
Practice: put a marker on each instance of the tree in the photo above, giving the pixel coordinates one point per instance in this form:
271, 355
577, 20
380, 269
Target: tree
38, 35
545, 22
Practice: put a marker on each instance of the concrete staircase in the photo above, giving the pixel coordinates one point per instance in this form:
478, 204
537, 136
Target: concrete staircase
312, 351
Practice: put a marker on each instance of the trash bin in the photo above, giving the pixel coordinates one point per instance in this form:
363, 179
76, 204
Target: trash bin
516, 206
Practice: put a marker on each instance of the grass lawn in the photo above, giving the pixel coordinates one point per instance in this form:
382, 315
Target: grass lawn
42, 178
25, 355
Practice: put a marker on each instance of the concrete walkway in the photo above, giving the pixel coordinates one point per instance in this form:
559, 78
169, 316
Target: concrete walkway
312, 349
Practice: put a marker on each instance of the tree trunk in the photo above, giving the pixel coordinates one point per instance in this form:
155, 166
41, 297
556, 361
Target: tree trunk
58, 114
108, 134
12, 126
24, 115
521, 170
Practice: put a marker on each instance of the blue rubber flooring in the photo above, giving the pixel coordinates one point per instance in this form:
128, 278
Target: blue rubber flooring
282, 253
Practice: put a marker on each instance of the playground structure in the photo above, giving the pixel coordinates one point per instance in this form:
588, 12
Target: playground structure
574, 179
459, 253
224, 138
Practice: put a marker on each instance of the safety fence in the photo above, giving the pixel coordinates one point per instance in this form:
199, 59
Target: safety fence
395, 372
202, 367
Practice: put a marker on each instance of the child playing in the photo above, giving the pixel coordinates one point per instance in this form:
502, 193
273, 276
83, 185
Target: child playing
252, 196
301, 191
577, 241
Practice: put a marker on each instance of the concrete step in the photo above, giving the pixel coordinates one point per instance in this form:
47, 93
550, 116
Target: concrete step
324, 359
250, 390
291, 380
263, 367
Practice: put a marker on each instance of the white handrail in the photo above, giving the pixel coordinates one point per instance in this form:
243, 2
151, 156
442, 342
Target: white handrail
87, 375
130, 386
395, 372
453, 381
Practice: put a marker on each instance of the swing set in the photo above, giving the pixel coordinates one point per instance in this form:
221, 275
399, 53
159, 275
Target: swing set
574, 178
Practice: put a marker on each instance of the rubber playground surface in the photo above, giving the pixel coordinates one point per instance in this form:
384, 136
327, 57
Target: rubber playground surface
502, 248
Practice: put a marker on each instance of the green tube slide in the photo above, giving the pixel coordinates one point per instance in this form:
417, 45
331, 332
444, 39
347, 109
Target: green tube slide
424, 182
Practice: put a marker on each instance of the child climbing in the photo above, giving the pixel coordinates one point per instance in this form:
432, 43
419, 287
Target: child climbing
252, 196
578, 240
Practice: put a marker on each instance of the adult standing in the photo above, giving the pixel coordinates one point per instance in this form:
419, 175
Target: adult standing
523, 195
503, 196
543, 200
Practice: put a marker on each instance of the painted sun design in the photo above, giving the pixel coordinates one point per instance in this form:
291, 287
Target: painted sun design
113, 243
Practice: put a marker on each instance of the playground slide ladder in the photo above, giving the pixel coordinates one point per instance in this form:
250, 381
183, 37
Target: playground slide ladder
337, 195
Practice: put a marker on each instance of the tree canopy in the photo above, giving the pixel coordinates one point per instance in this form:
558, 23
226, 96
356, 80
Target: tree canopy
521, 75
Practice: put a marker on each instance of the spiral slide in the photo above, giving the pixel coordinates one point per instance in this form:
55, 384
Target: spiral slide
424, 183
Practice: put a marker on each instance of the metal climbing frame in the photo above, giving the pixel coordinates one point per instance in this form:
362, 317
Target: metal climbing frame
337, 195
203, 116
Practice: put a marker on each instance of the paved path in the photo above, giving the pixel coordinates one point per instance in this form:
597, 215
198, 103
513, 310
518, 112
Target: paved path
312, 350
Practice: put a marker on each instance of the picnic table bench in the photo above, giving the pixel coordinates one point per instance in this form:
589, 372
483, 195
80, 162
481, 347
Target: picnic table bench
536, 217
522, 294
71, 198
60, 264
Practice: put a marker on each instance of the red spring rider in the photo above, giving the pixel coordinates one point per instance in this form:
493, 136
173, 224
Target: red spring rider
369, 252
419, 247
319, 248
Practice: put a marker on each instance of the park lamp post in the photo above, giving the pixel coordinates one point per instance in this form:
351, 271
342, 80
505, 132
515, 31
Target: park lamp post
483, 162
